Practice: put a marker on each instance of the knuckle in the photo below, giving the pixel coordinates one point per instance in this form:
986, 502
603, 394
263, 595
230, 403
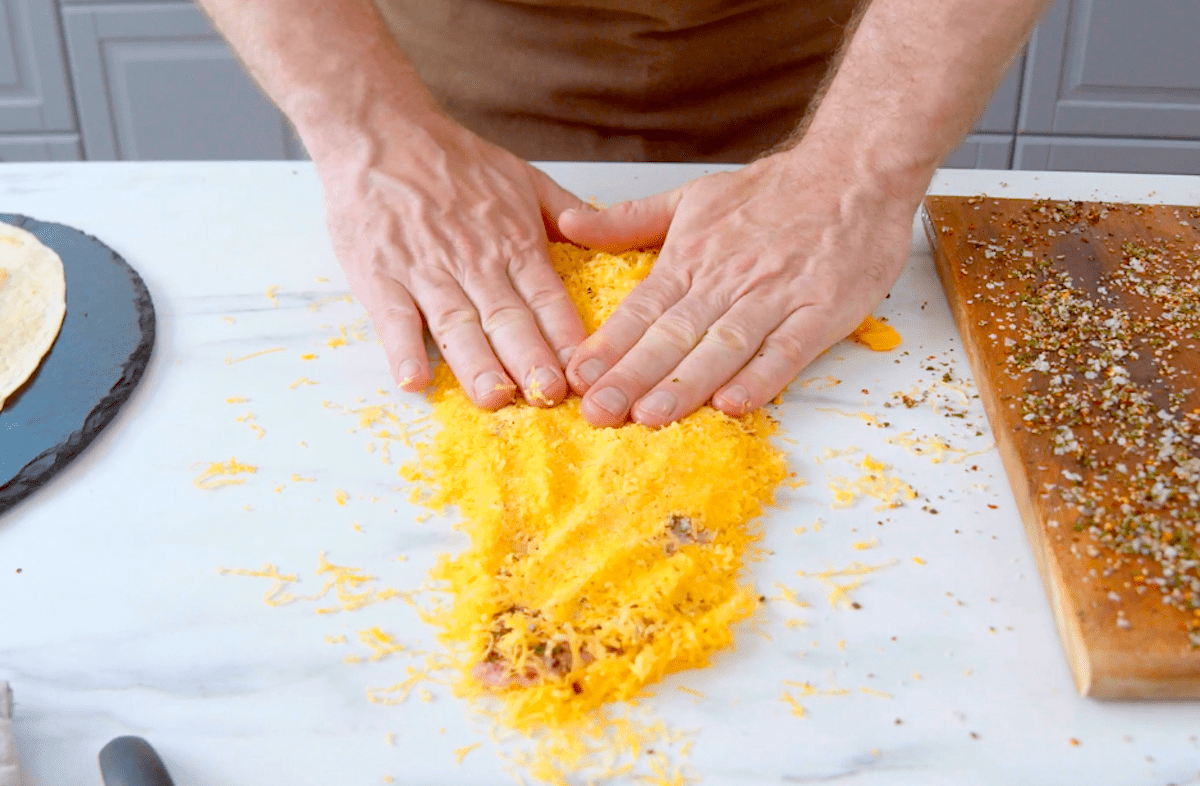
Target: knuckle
398, 312
544, 299
730, 337
787, 348
640, 310
502, 316
630, 380
675, 333
452, 318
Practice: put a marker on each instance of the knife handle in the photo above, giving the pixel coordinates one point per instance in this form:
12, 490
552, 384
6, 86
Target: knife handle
130, 761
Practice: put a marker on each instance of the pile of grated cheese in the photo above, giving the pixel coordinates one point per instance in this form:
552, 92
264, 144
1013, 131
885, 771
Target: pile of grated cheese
601, 560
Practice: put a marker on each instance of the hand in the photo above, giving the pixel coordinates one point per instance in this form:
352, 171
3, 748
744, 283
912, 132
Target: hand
444, 229
761, 270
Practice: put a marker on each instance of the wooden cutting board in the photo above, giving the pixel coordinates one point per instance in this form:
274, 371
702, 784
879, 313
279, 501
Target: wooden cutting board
1082, 325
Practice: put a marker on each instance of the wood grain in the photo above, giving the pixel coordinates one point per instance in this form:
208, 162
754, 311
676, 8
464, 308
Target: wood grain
1120, 643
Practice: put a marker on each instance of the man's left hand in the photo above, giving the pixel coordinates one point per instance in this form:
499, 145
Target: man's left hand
761, 270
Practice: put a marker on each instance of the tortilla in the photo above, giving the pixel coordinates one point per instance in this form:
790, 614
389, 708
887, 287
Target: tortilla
33, 302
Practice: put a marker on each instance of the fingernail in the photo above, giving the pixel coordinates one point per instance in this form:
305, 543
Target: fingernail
611, 400
537, 382
591, 370
565, 355
407, 372
488, 383
659, 404
737, 397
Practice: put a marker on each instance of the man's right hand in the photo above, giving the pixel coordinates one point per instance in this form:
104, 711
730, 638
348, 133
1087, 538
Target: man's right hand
434, 225
431, 224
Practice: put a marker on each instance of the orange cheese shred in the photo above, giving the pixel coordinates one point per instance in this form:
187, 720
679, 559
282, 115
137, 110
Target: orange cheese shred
221, 473
876, 335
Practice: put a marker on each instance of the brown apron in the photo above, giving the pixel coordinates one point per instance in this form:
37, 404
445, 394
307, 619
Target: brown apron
623, 80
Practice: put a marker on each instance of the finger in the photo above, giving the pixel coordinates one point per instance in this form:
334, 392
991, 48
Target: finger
648, 301
722, 352
401, 331
558, 320
516, 339
455, 327
666, 342
554, 199
641, 223
784, 353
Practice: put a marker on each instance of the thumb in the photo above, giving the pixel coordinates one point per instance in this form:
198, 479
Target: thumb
641, 223
554, 200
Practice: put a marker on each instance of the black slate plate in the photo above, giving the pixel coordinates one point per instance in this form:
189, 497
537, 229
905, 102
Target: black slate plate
93, 367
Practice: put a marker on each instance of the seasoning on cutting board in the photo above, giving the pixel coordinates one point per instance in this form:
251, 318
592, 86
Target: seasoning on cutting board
1082, 324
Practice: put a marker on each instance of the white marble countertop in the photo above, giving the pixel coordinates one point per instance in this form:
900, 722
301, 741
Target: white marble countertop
114, 619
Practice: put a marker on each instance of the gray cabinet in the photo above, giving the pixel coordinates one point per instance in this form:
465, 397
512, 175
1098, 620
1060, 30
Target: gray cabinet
1099, 154
154, 81
1112, 85
34, 96
1104, 85
1115, 68
40, 147
990, 146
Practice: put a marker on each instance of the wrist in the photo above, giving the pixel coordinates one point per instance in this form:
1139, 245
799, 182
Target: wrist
864, 167
371, 109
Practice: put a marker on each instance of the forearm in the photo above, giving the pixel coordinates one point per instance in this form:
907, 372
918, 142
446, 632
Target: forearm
913, 78
330, 65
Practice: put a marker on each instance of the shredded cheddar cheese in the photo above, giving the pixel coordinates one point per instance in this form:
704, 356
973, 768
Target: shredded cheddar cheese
839, 593
221, 474
601, 560
317, 304
272, 296
230, 361
892, 492
790, 700
351, 587
3, 276
936, 449
301, 381
381, 644
461, 753
876, 335
277, 594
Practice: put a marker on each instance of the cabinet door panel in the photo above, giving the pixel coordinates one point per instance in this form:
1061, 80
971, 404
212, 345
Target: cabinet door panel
1001, 113
49, 147
33, 78
156, 82
1112, 67
982, 151
1082, 154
